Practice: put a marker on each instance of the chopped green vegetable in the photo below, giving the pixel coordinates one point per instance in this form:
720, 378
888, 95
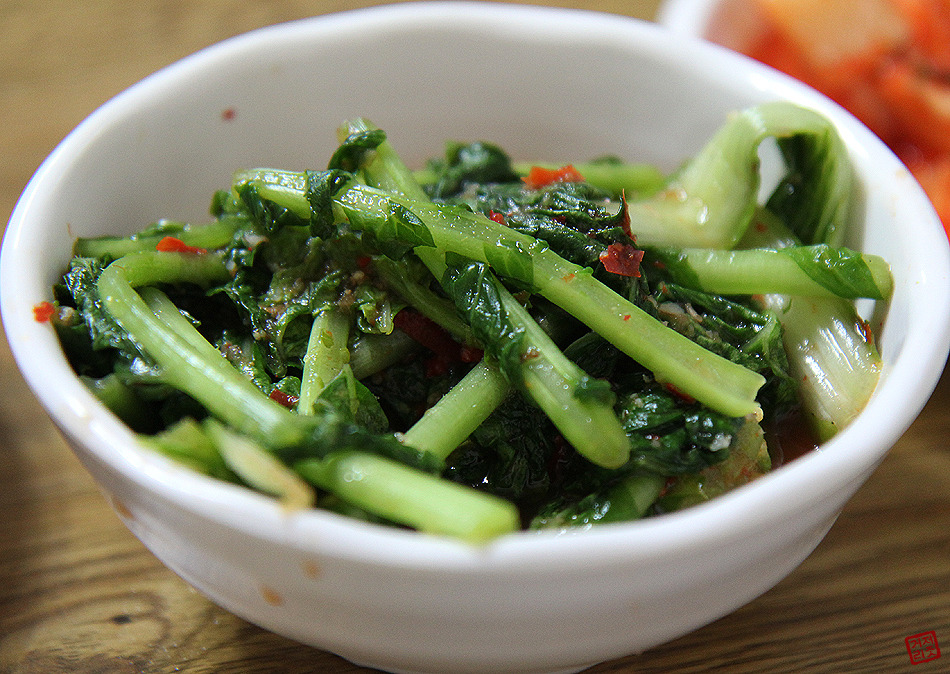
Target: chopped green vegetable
485, 345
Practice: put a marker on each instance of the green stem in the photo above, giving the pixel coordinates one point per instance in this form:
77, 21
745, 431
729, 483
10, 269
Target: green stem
674, 359
401, 494
810, 271
211, 236
326, 355
713, 380
385, 169
553, 381
632, 497
457, 414
190, 363
630, 179
371, 353
260, 469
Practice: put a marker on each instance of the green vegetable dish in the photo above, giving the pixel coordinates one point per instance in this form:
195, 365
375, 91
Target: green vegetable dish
480, 346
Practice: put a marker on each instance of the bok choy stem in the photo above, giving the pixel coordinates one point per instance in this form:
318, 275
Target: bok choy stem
326, 355
710, 202
811, 271
830, 354
425, 502
447, 424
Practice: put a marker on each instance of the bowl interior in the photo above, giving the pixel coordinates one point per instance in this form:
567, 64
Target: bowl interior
552, 85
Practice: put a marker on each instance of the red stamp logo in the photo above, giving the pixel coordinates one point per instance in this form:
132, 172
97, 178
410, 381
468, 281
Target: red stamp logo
922, 647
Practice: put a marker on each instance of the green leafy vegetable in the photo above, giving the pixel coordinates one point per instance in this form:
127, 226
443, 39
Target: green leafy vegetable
486, 345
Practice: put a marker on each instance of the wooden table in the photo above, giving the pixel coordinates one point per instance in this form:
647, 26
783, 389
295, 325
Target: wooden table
79, 593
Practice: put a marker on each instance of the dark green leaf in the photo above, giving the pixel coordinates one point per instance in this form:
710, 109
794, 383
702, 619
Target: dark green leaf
471, 285
469, 164
352, 152
321, 188
268, 215
840, 270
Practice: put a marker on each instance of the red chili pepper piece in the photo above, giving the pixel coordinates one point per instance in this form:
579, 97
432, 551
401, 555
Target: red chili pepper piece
43, 311
426, 332
495, 216
170, 244
470, 354
283, 398
539, 177
625, 216
622, 259
433, 337
437, 365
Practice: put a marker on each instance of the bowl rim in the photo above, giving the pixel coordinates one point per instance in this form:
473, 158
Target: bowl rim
747, 509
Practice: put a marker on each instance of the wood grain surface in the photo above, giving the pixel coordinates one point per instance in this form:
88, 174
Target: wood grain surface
78, 593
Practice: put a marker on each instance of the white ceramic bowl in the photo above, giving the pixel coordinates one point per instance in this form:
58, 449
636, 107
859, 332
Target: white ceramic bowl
546, 84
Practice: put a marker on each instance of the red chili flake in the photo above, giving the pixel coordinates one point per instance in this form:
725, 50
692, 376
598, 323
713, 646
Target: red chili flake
625, 218
866, 330
530, 354
495, 216
622, 259
626, 317
283, 398
747, 474
170, 244
43, 311
470, 354
567, 278
437, 365
363, 261
228, 114
539, 176
430, 335
670, 482
679, 394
